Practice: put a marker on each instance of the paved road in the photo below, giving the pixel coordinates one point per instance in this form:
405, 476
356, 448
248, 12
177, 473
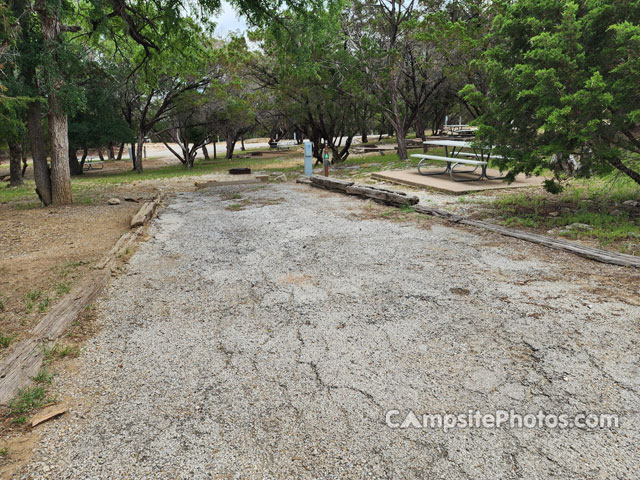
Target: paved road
268, 336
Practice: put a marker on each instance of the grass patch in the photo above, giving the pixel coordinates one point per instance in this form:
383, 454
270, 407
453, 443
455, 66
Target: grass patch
33, 295
58, 351
43, 377
27, 400
4, 452
44, 304
6, 340
63, 288
597, 203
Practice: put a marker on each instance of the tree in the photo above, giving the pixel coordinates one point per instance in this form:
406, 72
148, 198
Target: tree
313, 77
563, 83
402, 70
100, 122
12, 130
189, 125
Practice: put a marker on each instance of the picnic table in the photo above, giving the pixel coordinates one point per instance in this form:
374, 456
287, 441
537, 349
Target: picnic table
456, 153
286, 144
92, 163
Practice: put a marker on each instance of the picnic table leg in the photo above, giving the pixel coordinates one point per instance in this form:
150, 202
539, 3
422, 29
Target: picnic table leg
485, 170
445, 171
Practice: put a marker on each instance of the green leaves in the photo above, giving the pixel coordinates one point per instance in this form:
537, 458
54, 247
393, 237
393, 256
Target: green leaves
563, 79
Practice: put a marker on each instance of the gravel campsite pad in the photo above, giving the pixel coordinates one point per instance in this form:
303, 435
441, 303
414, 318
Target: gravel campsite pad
265, 332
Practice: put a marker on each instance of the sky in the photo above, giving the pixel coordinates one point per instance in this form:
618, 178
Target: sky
229, 21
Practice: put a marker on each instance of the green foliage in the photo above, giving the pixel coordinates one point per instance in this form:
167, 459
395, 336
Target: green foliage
58, 351
563, 80
5, 340
598, 203
43, 377
27, 400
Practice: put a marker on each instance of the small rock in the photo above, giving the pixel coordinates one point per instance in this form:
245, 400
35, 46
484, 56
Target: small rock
615, 212
281, 178
554, 214
631, 203
113, 201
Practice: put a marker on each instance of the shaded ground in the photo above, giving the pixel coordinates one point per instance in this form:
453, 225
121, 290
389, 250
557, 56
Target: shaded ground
268, 341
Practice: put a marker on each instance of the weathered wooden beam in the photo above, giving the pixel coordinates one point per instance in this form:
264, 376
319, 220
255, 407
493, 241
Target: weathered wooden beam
392, 197
143, 215
592, 253
330, 183
146, 212
26, 357
387, 197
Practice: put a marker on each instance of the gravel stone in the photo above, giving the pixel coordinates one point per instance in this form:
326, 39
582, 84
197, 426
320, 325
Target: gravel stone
269, 342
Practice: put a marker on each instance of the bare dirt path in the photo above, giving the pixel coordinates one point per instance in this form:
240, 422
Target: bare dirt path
264, 332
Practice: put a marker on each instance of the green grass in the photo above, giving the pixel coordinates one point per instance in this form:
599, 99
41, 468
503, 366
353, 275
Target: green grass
6, 340
62, 288
33, 295
58, 351
44, 304
4, 452
31, 298
596, 202
43, 377
27, 400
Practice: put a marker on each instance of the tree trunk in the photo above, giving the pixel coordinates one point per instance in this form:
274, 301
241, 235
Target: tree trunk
110, 154
402, 146
85, 152
58, 135
242, 144
74, 165
41, 172
58, 127
365, 139
133, 155
231, 144
100, 154
15, 158
215, 153
120, 150
137, 163
24, 162
205, 152
420, 127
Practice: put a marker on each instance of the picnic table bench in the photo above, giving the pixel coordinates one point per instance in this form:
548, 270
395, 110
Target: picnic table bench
480, 159
92, 163
285, 145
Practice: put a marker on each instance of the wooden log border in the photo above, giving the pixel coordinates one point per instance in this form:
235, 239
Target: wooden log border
366, 191
26, 357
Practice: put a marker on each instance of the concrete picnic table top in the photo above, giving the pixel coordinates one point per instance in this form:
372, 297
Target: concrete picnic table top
448, 143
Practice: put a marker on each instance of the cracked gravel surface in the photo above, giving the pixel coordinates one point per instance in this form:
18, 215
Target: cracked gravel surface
268, 342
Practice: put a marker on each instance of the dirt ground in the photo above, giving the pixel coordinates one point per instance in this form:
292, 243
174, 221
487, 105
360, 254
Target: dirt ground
46, 250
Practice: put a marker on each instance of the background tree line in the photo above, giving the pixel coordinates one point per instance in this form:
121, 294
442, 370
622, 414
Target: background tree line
549, 84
